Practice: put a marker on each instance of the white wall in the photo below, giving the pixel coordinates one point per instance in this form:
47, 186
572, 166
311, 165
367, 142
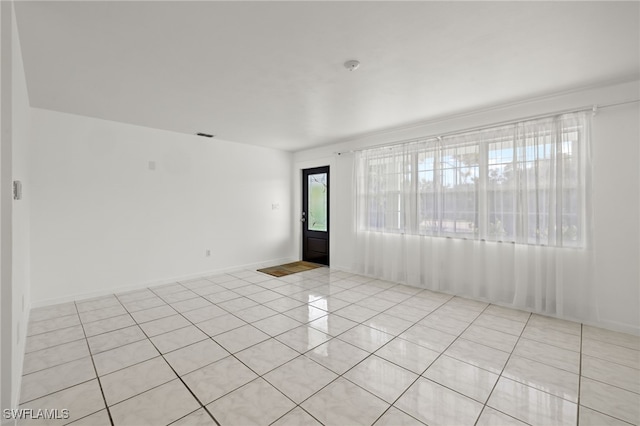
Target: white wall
616, 136
616, 141
21, 211
15, 214
6, 305
102, 220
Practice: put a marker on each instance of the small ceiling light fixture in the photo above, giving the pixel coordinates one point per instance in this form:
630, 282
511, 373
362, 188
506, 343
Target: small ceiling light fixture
352, 65
206, 135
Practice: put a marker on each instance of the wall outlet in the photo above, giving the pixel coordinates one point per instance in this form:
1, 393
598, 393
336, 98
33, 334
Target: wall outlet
152, 165
207, 252
275, 206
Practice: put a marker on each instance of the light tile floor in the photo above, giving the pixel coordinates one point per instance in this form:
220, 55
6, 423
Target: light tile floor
321, 347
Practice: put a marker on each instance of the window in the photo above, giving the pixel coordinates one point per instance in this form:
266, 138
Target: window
521, 183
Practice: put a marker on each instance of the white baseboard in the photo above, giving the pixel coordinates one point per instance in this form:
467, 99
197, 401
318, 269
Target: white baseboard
152, 283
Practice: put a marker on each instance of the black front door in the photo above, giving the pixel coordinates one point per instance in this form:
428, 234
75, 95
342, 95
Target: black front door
315, 215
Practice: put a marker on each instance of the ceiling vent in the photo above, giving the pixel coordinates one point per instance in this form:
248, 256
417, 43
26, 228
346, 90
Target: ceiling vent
205, 135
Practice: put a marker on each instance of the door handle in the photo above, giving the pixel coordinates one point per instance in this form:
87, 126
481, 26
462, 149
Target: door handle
303, 220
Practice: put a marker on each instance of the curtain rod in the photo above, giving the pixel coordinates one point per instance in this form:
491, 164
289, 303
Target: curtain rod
593, 108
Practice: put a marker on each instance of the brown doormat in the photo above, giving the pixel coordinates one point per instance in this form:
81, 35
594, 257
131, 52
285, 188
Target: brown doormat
290, 268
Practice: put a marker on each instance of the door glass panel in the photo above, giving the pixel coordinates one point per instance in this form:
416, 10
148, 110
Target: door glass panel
317, 220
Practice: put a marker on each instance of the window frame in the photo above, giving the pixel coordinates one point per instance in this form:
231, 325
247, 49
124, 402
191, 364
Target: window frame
410, 221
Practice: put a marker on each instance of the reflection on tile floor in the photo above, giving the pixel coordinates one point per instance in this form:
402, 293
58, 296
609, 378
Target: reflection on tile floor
321, 347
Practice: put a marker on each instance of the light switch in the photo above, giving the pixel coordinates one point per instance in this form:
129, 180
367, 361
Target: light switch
17, 190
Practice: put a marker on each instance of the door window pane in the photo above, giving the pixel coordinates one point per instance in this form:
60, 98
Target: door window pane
317, 220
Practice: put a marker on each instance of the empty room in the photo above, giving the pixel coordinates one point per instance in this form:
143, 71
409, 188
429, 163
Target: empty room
320, 213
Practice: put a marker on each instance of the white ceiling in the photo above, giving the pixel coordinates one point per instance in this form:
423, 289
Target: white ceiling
271, 73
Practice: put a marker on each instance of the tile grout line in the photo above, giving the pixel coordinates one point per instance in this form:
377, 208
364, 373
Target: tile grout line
115, 329
331, 337
59, 390
233, 354
579, 377
414, 323
57, 365
53, 329
392, 404
299, 405
247, 323
320, 283
544, 361
179, 378
56, 345
95, 370
614, 362
136, 323
599, 381
500, 376
261, 376
579, 352
240, 279
369, 352
431, 363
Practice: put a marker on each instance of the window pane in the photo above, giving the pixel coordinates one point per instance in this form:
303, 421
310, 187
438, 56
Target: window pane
459, 171
501, 184
536, 160
428, 218
571, 218
521, 183
317, 220
387, 178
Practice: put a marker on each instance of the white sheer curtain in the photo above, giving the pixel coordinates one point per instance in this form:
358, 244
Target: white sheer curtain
501, 214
